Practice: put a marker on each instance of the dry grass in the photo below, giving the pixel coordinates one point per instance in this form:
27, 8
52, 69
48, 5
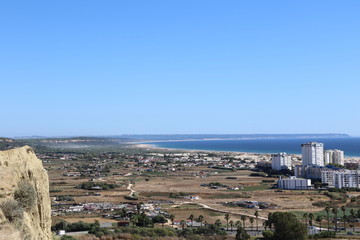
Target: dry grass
8, 232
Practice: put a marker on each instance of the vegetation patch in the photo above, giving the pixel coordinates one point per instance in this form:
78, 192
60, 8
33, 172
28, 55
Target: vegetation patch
25, 194
12, 210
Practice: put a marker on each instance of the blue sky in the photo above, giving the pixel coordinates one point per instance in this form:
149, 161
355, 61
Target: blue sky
115, 67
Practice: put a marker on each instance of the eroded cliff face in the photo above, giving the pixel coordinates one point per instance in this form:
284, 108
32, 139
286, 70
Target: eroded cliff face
21, 165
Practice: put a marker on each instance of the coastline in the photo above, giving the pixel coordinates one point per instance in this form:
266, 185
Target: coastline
149, 146
145, 145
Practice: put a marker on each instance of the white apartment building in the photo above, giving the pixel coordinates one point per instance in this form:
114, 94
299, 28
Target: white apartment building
294, 183
341, 178
281, 161
312, 154
334, 156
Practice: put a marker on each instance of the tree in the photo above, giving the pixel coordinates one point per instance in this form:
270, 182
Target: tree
343, 209
252, 222
231, 224
123, 212
172, 218
287, 226
311, 218
191, 218
327, 210
335, 212
218, 223
182, 224
257, 220
237, 224
227, 218
243, 219
201, 219
138, 208
268, 222
159, 219
319, 220
134, 219
352, 214
305, 216
241, 234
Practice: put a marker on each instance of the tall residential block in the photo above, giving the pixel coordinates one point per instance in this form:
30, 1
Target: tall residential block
280, 161
341, 178
312, 154
334, 156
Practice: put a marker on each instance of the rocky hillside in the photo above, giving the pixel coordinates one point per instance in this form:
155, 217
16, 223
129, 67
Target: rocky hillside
25, 210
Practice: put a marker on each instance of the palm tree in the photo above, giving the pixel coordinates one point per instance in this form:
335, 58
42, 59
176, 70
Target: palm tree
352, 214
191, 218
231, 224
201, 219
343, 209
266, 224
257, 220
319, 220
269, 222
327, 210
311, 218
218, 223
134, 219
243, 219
227, 218
237, 224
305, 216
123, 213
183, 223
138, 207
172, 218
335, 212
252, 222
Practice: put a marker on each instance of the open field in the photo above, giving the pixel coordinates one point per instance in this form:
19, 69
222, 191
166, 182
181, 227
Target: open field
182, 190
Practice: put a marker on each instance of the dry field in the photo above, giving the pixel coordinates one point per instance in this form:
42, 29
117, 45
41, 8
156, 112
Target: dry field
158, 186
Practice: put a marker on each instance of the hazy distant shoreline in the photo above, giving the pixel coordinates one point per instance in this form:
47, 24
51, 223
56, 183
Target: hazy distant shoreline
253, 145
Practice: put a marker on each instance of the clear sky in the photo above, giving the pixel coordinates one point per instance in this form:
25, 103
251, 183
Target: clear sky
182, 66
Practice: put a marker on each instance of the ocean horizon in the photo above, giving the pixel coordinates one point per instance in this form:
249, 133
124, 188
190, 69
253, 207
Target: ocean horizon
350, 146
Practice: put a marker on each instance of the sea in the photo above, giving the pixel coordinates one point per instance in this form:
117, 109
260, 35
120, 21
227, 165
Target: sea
350, 146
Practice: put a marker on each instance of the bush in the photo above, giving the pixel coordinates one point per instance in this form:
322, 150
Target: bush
93, 185
268, 181
132, 197
268, 234
323, 235
12, 210
25, 194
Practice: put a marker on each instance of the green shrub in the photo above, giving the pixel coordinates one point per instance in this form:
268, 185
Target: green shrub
12, 210
231, 178
268, 234
268, 181
323, 235
132, 197
25, 194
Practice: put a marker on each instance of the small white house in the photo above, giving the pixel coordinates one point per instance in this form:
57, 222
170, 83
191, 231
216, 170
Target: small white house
61, 232
313, 230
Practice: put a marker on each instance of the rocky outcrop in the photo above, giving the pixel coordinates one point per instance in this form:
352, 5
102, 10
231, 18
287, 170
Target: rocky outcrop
17, 166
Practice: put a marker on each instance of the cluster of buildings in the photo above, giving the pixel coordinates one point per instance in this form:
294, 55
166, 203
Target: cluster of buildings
317, 164
313, 154
251, 204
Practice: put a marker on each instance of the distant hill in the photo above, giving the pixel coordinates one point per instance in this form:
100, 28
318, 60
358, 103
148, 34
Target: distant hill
66, 144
